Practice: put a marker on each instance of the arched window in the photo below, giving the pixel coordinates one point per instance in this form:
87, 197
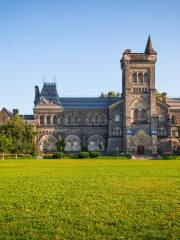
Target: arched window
146, 77
72, 143
134, 78
75, 119
161, 118
140, 78
69, 119
54, 119
96, 143
116, 131
41, 119
173, 120
136, 113
48, 119
117, 118
96, 120
143, 114
103, 120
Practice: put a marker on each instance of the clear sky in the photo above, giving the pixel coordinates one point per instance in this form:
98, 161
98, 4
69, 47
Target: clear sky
81, 43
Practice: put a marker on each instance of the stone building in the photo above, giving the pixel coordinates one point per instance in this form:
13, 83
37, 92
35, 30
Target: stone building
138, 122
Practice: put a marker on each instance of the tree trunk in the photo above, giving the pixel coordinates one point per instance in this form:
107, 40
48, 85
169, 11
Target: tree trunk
3, 155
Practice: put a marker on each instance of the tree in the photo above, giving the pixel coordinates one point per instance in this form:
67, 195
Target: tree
21, 134
5, 144
61, 145
110, 94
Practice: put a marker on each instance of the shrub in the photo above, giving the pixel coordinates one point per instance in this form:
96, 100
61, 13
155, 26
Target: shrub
94, 154
83, 155
58, 155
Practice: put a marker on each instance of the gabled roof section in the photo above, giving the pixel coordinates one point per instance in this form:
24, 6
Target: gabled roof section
49, 91
45, 103
7, 111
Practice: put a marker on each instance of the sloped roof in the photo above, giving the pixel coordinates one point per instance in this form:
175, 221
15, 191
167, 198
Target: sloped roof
6, 110
174, 103
49, 91
87, 103
27, 117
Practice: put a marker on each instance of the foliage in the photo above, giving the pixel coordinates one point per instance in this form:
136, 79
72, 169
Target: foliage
158, 95
83, 155
21, 134
94, 154
61, 145
110, 94
84, 148
89, 199
5, 143
58, 155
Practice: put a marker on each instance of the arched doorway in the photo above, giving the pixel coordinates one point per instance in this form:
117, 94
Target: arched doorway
48, 143
141, 143
96, 143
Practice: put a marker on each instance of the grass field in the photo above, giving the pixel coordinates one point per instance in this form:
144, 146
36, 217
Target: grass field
89, 199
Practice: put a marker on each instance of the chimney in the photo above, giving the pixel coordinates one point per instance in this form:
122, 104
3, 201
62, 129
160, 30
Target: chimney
15, 112
164, 95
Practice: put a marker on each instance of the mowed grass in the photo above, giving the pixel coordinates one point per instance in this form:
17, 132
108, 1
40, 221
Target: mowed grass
89, 199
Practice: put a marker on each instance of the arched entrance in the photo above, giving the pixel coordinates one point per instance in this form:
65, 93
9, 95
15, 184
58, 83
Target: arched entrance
141, 144
48, 143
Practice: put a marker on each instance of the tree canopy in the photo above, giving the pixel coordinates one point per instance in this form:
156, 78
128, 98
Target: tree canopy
110, 94
20, 134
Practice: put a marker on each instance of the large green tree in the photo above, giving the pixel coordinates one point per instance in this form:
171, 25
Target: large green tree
21, 133
5, 144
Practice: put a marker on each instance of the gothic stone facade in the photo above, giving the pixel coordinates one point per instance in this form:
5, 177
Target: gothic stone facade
136, 123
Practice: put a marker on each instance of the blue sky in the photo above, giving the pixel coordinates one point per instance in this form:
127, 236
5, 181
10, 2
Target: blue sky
81, 43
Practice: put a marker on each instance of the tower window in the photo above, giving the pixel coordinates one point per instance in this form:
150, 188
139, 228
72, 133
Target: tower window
134, 78
146, 77
140, 78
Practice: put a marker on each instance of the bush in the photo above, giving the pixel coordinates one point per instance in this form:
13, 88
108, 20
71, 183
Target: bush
83, 155
58, 155
94, 154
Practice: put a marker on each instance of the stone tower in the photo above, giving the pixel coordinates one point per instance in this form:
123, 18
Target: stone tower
139, 95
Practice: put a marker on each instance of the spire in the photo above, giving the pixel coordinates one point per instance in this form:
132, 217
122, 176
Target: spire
149, 47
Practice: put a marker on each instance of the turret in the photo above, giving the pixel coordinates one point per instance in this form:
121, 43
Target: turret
149, 47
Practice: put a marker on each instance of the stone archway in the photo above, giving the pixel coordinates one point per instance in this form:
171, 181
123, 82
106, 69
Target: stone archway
141, 143
72, 143
96, 143
48, 143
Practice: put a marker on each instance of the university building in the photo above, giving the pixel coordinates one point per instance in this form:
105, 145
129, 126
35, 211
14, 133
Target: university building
138, 122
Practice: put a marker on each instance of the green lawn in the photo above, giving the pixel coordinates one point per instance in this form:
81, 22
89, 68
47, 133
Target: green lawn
89, 199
